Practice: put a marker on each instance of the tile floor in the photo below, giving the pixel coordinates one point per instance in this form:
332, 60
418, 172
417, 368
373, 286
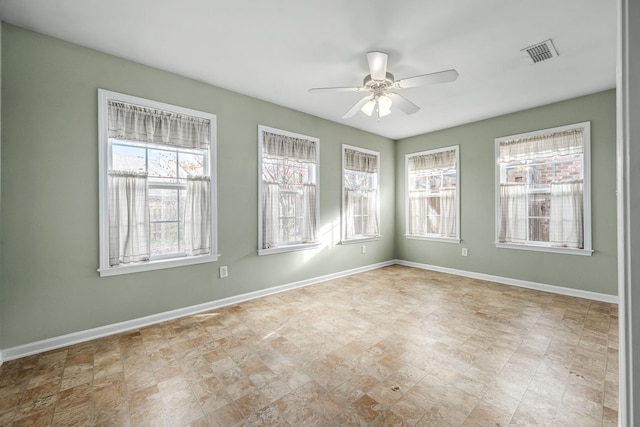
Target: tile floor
394, 346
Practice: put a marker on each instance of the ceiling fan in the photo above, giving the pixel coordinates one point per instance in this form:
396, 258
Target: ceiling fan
381, 87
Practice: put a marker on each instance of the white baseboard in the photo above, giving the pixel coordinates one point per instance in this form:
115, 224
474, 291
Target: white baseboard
102, 331
613, 299
28, 349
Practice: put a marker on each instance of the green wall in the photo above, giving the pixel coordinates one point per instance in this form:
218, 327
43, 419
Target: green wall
50, 193
49, 208
597, 273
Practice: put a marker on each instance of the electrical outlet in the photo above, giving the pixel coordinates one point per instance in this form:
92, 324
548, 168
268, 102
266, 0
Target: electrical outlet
224, 272
464, 252
364, 249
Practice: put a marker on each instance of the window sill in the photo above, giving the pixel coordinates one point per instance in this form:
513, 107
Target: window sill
433, 238
566, 251
289, 248
359, 240
156, 265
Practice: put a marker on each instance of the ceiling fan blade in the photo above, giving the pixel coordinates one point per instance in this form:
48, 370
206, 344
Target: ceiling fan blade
433, 78
356, 107
403, 103
377, 65
335, 89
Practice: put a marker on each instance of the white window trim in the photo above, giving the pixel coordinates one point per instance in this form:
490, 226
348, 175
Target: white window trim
343, 233
586, 172
298, 246
455, 239
360, 240
433, 239
105, 269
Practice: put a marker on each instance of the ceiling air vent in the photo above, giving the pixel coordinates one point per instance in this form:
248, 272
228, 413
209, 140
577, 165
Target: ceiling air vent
541, 51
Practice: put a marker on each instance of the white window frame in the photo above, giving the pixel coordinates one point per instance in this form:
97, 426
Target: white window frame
296, 246
104, 164
344, 240
433, 237
586, 176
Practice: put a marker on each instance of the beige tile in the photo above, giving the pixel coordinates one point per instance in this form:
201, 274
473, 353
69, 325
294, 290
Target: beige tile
395, 346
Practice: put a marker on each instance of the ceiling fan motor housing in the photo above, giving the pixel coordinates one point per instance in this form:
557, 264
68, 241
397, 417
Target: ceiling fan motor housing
378, 85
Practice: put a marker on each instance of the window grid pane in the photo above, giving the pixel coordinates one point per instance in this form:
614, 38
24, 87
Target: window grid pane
432, 198
553, 198
360, 185
290, 218
289, 203
166, 166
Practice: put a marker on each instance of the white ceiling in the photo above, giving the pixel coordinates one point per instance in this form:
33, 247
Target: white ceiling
276, 50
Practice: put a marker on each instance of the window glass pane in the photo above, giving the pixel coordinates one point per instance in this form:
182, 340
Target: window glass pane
164, 238
286, 172
417, 181
359, 181
290, 220
435, 182
433, 214
568, 168
449, 179
167, 229
539, 229
190, 164
163, 204
163, 164
539, 204
541, 174
516, 173
128, 158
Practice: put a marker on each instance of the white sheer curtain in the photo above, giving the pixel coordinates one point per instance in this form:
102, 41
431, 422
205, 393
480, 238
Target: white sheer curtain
448, 209
270, 214
309, 226
513, 213
567, 215
287, 147
373, 226
128, 217
542, 146
197, 215
360, 161
432, 162
137, 123
418, 210
349, 205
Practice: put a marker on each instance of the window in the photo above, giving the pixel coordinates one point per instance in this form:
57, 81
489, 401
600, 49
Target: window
157, 189
360, 194
433, 188
542, 192
288, 195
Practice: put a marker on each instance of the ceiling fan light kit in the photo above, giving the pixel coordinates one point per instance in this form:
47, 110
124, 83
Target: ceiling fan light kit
381, 85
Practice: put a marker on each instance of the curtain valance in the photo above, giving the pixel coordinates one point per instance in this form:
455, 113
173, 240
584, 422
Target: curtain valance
137, 123
542, 146
442, 160
359, 161
287, 147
